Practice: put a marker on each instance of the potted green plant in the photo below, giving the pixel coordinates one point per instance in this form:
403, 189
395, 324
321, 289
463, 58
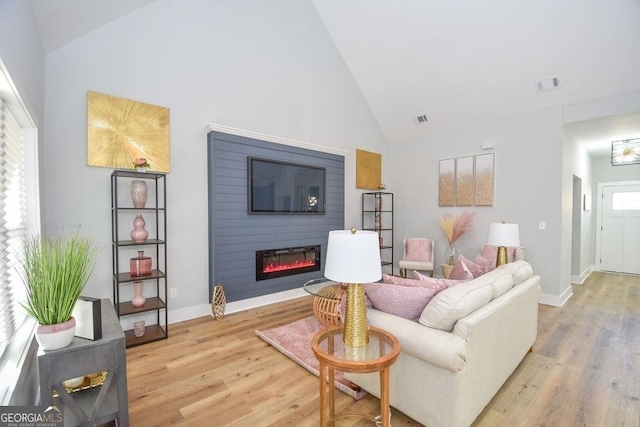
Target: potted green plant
55, 271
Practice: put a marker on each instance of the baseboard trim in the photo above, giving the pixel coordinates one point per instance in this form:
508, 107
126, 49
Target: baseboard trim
579, 280
556, 300
202, 310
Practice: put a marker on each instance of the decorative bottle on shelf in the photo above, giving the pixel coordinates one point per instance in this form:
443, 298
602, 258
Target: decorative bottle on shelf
138, 193
138, 298
140, 265
378, 202
139, 234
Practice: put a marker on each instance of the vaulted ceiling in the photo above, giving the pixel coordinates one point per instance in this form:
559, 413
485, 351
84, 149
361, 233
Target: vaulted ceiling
455, 62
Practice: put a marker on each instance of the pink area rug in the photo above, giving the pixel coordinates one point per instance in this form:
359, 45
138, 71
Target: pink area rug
294, 341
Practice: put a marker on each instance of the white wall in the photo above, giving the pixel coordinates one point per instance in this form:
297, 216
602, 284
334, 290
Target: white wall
267, 67
528, 173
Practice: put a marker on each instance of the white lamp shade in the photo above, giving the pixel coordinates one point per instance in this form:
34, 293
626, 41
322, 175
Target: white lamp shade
501, 234
353, 257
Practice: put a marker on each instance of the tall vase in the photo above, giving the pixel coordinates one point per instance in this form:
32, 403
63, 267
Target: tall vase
139, 234
138, 298
450, 255
138, 193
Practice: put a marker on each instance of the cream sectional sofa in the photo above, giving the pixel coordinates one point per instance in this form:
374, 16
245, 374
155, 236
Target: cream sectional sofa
468, 341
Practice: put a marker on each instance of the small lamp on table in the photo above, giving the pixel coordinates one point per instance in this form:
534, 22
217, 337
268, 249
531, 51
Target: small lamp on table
503, 235
353, 257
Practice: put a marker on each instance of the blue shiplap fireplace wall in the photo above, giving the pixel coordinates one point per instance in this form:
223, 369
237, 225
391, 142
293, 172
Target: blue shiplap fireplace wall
235, 236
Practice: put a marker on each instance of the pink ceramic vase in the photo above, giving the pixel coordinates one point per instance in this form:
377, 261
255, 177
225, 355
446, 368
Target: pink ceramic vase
138, 298
139, 234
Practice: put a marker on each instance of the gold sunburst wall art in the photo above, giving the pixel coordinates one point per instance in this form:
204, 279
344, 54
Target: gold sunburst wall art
120, 130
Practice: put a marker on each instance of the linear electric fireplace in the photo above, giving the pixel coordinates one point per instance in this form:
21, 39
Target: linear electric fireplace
281, 262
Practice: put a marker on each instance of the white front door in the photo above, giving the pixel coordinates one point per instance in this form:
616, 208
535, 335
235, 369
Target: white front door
620, 232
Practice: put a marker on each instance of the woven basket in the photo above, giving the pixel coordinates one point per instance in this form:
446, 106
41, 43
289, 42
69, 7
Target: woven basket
218, 302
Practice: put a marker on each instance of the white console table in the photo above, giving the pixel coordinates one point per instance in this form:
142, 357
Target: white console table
94, 405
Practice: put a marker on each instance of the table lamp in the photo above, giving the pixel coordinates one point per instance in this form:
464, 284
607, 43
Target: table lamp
353, 258
503, 235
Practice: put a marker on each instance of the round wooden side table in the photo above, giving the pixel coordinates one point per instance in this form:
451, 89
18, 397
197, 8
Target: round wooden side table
378, 356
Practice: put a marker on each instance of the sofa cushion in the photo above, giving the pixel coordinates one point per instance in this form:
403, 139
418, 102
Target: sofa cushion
482, 261
458, 301
460, 271
427, 280
464, 269
402, 281
403, 301
521, 271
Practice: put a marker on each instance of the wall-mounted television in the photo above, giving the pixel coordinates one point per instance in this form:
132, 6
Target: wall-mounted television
277, 187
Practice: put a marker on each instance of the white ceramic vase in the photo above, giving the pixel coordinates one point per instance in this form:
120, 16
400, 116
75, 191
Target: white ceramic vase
53, 337
138, 193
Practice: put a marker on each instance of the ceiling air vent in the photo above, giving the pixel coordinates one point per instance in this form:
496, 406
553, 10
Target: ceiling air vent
548, 84
421, 119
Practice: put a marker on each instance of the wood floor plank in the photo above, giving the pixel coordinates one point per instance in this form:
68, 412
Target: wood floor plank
584, 370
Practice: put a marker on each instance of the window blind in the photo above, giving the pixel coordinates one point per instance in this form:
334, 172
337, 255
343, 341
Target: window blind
12, 222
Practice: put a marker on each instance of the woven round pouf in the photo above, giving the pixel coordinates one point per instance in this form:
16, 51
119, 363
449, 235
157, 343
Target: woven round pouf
326, 304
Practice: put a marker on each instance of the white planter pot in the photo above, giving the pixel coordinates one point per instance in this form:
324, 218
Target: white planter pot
53, 337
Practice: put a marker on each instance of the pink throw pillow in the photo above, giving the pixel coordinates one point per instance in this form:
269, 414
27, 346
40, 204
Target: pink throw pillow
487, 264
460, 271
401, 281
436, 281
403, 301
475, 269
418, 250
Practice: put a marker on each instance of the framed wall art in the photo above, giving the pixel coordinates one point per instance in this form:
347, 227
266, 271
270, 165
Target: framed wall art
120, 130
447, 183
368, 170
484, 173
464, 181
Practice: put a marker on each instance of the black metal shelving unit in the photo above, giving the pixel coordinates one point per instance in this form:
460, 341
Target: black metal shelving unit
122, 215
377, 215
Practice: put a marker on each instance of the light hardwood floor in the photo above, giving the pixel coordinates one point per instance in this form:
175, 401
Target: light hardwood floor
584, 370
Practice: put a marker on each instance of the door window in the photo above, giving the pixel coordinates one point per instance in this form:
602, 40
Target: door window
626, 201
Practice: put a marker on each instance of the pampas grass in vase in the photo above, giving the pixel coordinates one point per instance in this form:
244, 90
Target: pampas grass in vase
455, 226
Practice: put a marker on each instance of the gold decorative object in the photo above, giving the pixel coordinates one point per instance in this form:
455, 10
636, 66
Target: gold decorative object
356, 327
368, 170
88, 381
503, 235
120, 130
353, 257
218, 302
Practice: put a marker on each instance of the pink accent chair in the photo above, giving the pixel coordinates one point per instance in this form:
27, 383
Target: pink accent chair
418, 255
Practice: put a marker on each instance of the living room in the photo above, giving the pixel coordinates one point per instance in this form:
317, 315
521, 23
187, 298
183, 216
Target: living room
273, 69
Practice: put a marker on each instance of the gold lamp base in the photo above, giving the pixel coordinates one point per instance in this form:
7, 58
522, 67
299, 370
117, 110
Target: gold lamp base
502, 256
356, 327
